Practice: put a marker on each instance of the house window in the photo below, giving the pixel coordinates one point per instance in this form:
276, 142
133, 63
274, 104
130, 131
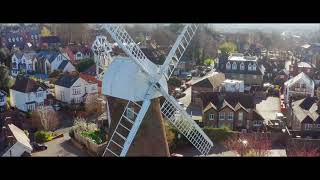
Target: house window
1, 98
257, 123
76, 91
228, 66
211, 116
303, 85
20, 38
93, 88
230, 116
308, 126
282, 76
9, 39
38, 94
17, 39
254, 67
234, 66
31, 36
242, 66
240, 116
318, 125
221, 116
249, 67
308, 70
13, 39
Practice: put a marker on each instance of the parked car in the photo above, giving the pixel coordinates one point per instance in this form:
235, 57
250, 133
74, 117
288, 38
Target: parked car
39, 147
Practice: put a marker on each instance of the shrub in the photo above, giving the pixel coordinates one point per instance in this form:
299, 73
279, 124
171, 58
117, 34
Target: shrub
71, 133
84, 65
42, 136
97, 136
218, 135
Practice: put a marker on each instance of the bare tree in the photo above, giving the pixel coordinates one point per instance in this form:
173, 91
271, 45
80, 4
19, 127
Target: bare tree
94, 103
303, 150
249, 144
45, 118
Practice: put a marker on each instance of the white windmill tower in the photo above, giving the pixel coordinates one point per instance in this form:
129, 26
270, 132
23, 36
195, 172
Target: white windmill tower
139, 81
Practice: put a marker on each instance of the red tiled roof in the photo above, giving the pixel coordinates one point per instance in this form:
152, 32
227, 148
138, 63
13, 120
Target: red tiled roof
90, 78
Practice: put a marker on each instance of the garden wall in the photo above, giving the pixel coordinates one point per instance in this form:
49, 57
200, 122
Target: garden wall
93, 148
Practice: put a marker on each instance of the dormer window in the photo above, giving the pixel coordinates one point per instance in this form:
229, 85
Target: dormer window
249, 67
31, 36
20, 38
242, 66
234, 66
9, 39
254, 67
17, 39
13, 39
228, 66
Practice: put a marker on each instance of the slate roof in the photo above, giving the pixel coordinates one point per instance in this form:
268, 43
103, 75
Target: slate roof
26, 85
295, 79
235, 100
50, 39
305, 110
50, 55
67, 81
63, 64
3, 92
257, 116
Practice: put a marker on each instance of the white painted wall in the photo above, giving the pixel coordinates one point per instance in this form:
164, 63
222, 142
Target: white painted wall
4, 102
309, 90
69, 68
66, 94
16, 150
19, 99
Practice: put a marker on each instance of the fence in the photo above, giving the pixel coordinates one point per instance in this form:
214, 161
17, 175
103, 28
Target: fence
92, 148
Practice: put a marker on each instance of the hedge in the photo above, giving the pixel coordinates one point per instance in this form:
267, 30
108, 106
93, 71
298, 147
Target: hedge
218, 135
42, 136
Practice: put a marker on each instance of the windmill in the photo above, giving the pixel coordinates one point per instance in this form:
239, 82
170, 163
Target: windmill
102, 56
140, 82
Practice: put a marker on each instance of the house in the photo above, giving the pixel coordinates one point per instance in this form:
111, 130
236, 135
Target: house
92, 79
74, 89
48, 61
23, 62
230, 85
298, 87
51, 41
298, 67
281, 77
27, 94
240, 67
83, 53
18, 142
305, 115
3, 100
235, 110
207, 84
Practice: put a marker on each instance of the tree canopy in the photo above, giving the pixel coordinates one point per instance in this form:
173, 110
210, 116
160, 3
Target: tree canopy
227, 48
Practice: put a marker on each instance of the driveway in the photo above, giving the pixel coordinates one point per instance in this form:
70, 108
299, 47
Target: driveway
61, 147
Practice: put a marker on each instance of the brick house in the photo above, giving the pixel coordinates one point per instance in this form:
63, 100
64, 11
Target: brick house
235, 110
240, 67
297, 67
208, 84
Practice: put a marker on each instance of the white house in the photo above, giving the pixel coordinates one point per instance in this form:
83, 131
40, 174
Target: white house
3, 100
27, 94
231, 85
299, 86
82, 53
74, 89
20, 145
51, 60
24, 62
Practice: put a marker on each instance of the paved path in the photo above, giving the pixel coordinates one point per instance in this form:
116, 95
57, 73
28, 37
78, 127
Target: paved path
62, 147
